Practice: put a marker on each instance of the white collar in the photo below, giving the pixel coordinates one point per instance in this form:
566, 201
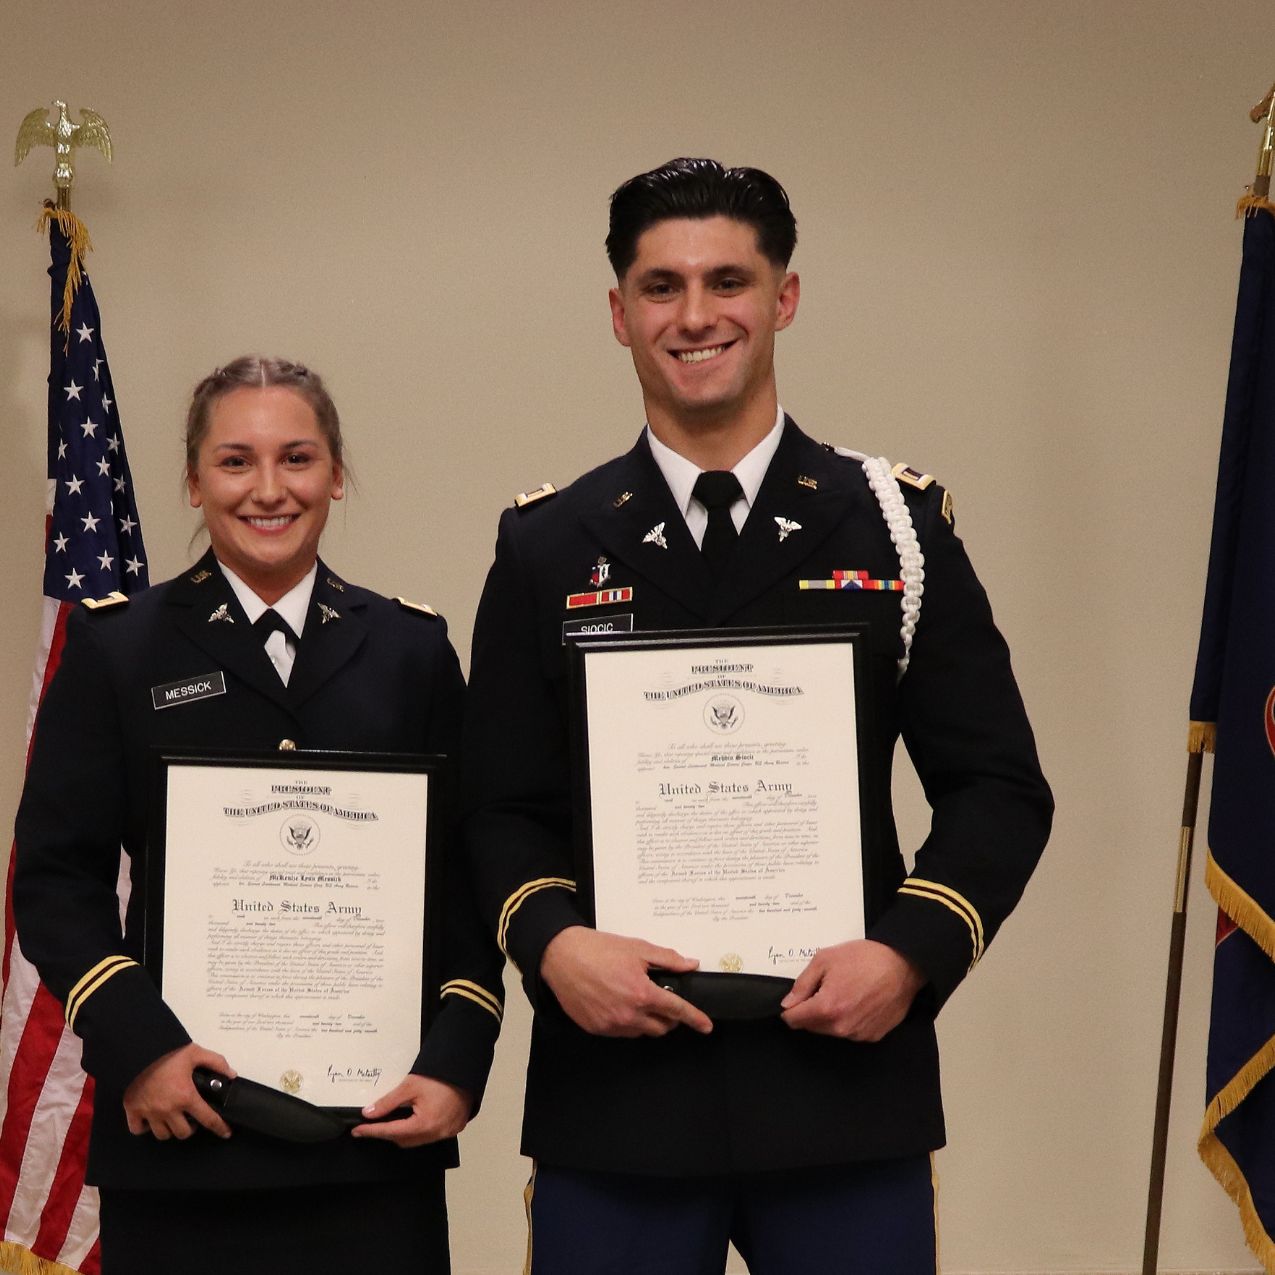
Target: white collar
680, 473
292, 607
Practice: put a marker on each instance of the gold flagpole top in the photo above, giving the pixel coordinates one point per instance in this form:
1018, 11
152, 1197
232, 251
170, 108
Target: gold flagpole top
1264, 110
64, 137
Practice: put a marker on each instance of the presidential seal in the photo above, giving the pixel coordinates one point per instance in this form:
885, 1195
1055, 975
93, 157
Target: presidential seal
731, 963
299, 834
723, 714
291, 1081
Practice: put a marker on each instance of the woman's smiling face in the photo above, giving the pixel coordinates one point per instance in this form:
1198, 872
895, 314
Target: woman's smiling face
264, 478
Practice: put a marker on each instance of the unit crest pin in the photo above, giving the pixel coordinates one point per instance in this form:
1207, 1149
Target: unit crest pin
600, 574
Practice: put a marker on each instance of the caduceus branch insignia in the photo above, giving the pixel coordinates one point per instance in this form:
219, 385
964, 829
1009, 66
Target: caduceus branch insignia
64, 137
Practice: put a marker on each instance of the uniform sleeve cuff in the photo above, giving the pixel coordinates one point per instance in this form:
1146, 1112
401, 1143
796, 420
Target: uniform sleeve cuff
541, 916
125, 1026
941, 936
459, 1046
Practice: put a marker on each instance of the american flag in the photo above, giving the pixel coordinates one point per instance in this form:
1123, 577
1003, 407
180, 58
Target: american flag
93, 547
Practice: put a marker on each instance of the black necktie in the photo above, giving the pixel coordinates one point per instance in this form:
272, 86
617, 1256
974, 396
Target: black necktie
717, 490
270, 621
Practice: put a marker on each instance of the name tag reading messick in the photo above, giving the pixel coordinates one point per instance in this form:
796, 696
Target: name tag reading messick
189, 689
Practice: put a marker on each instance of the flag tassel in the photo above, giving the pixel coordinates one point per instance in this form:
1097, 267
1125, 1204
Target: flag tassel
77, 235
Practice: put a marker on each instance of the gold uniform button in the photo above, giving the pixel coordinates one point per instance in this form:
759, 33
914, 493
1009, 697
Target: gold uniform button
287, 746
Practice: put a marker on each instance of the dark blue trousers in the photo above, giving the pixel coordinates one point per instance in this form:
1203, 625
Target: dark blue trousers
326, 1229
877, 1218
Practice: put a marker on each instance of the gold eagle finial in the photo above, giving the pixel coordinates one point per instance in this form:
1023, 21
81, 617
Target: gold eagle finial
64, 137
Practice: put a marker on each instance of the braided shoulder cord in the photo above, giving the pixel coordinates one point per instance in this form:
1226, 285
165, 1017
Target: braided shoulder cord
903, 536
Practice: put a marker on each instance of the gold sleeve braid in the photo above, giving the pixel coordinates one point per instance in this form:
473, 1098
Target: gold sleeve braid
476, 993
520, 896
100, 973
955, 902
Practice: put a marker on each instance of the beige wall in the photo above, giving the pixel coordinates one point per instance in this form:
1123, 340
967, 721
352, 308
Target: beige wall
1018, 264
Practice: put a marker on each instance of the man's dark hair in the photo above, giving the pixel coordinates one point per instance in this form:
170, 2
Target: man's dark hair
701, 188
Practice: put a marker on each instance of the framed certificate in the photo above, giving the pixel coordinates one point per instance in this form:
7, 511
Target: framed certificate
721, 790
290, 913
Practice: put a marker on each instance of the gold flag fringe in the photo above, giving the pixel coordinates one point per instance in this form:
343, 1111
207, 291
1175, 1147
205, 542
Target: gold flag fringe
22, 1261
1227, 1172
1240, 906
1201, 737
1245, 912
77, 235
1249, 204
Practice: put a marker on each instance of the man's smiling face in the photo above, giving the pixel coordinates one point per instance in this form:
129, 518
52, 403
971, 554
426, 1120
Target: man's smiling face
699, 309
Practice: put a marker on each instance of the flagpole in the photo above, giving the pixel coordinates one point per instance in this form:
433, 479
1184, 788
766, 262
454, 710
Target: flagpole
1172, 1002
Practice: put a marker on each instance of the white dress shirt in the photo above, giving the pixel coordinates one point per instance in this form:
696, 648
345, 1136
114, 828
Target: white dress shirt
680, 474
291, 608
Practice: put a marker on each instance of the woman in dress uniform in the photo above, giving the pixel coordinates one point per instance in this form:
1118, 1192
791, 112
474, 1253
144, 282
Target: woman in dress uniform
344, 669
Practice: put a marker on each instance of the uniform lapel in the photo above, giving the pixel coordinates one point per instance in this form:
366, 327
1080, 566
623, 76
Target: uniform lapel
206, 610
335, 628
632, 510
809, 490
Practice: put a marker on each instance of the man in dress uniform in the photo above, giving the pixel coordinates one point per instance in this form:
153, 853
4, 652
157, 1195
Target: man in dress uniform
659, 1133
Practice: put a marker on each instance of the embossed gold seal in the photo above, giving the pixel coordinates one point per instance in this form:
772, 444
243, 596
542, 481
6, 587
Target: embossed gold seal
291, 1081
731, 962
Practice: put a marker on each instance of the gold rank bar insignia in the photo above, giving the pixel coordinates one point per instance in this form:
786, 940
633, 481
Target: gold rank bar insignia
525, 498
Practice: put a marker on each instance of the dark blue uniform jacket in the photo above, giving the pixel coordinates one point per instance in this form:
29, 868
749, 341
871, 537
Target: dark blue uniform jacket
751, 1096
377, 676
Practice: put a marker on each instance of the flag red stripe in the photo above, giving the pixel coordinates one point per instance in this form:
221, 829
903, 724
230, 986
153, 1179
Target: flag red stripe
56, 644
68, 1181
9, 928
41, 1034
44, 1024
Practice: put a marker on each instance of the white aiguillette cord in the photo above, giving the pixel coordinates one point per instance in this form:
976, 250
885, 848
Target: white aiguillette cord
903, 536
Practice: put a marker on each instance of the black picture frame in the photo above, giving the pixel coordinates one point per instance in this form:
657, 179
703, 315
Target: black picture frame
435, 766
721, 995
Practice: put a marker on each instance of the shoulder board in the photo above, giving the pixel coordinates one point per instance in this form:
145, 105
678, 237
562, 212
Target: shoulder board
913, 477
423, 607
946, 507
543, 492
111, 600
